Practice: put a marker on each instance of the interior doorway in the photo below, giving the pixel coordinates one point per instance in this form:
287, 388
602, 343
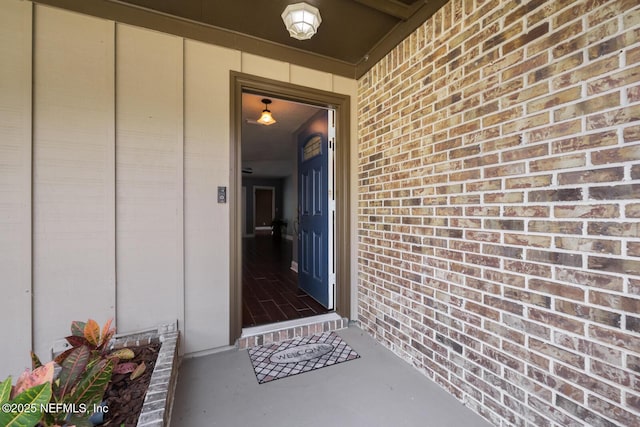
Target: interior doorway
264, 200
336, 192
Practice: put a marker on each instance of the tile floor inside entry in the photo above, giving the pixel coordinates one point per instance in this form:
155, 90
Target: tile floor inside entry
376, 390
270, 290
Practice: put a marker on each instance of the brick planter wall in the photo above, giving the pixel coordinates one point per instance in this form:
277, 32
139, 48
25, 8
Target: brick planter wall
158, 401
499, 206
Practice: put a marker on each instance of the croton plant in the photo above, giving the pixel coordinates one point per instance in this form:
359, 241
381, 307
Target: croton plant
69, 398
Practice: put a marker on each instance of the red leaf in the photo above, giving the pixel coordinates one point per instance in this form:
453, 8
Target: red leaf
125, 368
76, 341
62, 356
107, 332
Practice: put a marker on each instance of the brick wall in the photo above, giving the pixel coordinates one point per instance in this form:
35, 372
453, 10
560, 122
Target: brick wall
499, 197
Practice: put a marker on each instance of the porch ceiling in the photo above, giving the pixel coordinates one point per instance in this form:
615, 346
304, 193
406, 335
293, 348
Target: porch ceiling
353, 36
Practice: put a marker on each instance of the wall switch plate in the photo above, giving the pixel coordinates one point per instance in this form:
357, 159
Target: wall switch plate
222, 194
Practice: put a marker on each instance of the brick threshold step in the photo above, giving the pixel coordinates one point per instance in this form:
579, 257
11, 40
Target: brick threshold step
282, 331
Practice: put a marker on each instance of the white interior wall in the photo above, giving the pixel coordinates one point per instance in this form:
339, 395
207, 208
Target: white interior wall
131, 141
73, 173
15, 186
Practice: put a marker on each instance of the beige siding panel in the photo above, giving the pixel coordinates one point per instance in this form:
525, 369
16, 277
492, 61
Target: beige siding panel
346, 86
206, 221
311, 78
265, 67
74, 262
149, 178
15, 185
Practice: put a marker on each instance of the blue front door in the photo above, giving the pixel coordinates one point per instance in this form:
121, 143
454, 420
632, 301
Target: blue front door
313, 235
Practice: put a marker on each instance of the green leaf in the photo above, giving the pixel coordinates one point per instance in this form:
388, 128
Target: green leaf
123, 354
32, 398
138, 371
77, 328
72, 368
5, 390
92, 385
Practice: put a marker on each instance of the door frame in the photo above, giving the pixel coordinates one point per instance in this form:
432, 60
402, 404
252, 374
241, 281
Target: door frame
242, 82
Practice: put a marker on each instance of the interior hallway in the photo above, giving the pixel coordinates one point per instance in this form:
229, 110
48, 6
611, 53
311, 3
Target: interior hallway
269, 287
378, 389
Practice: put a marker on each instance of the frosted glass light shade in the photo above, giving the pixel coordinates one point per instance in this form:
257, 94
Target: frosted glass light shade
302, 20
266, 118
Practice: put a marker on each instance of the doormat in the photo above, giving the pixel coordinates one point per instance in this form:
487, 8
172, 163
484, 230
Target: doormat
284, 359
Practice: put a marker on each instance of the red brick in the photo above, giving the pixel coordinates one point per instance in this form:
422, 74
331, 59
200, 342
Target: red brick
586, 38
527, 211
557, 353
591, 176
590, 278
603, 246
619, 229
485, 180
582, 413
553, 131
533, 269
615, 301
609, 10
614, 81
528, 240
555, 383
616, 155
614, 265
590, 348
587, 107
558, 289
612, 118
614, 412
605, 317
614, 337
584, 142
586, 211
555, 99
528, 182
556, 227
560, 162
631, 133
586, 72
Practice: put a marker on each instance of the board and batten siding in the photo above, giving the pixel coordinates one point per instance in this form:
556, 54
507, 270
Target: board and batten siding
149, 171
15, 185
73, 173
206, 159
130, 142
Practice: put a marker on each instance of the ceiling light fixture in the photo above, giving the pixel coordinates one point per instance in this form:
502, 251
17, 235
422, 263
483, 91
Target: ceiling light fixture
266, 118
302, 20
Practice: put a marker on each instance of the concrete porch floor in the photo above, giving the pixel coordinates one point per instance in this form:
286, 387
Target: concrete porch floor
378, 389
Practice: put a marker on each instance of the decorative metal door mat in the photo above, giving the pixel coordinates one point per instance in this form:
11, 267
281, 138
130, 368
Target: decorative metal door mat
303, 354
